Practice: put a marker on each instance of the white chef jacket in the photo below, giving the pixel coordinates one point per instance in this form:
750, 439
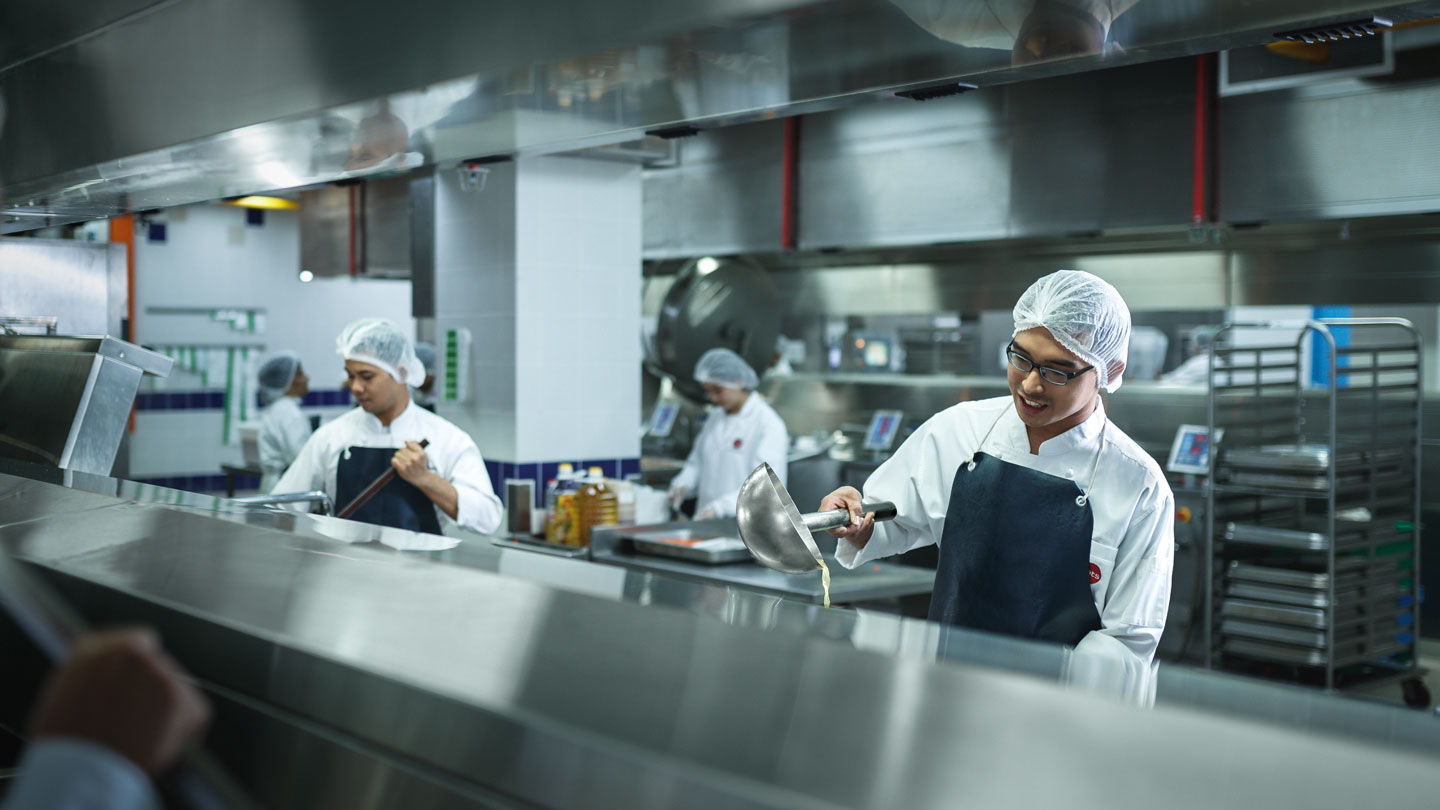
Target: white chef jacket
729, 448
1133, 546
283, 433
451, 453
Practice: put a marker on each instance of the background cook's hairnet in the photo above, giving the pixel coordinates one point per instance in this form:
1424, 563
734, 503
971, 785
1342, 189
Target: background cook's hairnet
276, 374
1085, 315
380, 343
724, 367
426, 352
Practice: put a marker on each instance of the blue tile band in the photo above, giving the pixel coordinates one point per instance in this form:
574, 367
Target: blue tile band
542, 471
214, 400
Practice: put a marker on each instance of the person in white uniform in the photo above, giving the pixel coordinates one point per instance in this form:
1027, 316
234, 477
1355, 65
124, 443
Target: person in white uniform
283, 428
1052, 523
741, 431
444, 481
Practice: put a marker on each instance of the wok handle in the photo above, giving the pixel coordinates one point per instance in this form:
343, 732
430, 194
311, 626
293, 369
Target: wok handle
835, 518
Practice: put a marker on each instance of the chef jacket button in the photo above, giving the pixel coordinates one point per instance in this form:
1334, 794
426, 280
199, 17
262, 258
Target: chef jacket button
1069, 473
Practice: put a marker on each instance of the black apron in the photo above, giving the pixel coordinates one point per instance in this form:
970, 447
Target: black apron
400, 505
1015, 554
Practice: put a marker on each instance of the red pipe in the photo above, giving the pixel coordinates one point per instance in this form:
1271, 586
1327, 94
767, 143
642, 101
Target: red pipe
1202, 139
790, 184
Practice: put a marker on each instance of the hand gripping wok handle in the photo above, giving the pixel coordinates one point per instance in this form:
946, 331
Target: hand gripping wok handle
835, 518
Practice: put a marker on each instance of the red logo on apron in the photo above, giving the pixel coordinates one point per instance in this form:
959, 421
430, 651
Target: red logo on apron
1094, 573
737, 444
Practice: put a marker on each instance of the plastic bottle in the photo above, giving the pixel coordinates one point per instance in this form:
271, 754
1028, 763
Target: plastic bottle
560, 506
598, 506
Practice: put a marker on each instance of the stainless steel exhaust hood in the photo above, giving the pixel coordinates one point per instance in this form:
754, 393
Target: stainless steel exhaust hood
126, 105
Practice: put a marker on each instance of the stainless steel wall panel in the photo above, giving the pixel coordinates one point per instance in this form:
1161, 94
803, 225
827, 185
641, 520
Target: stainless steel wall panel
1102, 150
70, 281
906, 173
724, 197
1331, 272
1352, 148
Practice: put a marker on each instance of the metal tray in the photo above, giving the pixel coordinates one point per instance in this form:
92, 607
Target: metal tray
1301, 539
1270, 612
1350, 574
1263, 631
1277, 538
1314, 458
692, 546
1305, 482
1308, 656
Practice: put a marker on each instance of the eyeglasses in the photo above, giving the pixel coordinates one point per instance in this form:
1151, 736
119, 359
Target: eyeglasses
1054, 376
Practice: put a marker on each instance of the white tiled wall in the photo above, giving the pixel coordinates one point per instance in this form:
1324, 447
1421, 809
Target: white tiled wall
543, 267
211, 259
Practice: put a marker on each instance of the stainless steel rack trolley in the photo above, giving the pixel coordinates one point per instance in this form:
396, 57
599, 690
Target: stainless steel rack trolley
1313, 524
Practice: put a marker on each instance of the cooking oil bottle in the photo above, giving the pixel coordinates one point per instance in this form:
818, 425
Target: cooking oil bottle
598, 505
562, 513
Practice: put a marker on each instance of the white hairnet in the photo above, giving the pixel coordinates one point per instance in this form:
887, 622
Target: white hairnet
276, 374
380, 343
1085, 315
426, 352
724, 367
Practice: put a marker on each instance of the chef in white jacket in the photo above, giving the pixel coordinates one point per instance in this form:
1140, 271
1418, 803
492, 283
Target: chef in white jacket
1052, 523
284, 429
444, 481
740, 432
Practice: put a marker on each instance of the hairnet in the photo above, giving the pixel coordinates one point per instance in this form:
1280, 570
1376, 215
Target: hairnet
426, 352
380, 343
724, 367
276, 374
1085, 315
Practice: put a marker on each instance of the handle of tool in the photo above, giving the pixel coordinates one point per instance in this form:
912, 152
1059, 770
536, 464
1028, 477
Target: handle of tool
375, 486
835, 518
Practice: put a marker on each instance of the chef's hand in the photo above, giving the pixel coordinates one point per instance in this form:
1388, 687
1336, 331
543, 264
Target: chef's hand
707, 513
410, 462
861, 526
120, 690
678, 494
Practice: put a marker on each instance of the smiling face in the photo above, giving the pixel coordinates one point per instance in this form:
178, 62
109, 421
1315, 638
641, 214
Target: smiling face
1048, 409
375, 390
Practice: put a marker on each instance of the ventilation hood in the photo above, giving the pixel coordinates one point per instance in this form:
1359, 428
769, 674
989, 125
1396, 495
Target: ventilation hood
128, 105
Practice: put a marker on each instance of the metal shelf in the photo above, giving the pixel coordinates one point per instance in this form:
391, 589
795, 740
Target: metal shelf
1315, 561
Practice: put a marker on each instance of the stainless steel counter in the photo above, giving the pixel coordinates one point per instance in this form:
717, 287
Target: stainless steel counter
351, 675
871, 582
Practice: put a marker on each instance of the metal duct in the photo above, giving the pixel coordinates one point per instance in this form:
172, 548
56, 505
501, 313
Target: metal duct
125, 106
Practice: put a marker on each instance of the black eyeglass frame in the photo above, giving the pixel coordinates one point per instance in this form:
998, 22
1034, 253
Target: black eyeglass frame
1025, 365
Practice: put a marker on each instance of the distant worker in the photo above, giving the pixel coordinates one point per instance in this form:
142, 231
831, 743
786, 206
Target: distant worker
446, 480
425, 392
118, 713
740, 433
283, 428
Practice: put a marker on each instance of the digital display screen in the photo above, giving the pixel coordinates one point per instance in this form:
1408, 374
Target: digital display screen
883, 427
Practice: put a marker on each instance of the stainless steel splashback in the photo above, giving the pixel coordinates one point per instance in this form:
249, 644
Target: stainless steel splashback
343, 89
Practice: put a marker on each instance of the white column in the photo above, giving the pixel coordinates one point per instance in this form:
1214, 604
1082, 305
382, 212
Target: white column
543, 268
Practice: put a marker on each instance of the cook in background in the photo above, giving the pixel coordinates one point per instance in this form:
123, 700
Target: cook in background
741, 431
283, 428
